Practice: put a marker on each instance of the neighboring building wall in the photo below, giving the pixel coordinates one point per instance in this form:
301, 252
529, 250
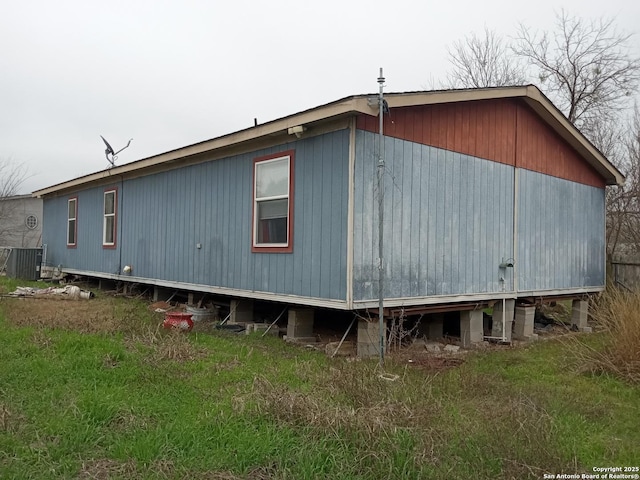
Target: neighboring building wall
162, 217
20, 221
448, 221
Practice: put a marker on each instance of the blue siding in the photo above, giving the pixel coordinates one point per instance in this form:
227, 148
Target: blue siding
561, 241
161, 218
448, 221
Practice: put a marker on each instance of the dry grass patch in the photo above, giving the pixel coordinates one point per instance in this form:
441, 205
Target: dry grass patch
618, 314
165, 344
106, 468
348, 398
103, 315
85, 316
10, 421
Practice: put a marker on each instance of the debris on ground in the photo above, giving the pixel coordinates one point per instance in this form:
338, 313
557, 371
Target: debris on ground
161, 307
70, 292
347, 349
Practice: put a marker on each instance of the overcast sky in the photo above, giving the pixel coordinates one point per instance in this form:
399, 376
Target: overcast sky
173, 73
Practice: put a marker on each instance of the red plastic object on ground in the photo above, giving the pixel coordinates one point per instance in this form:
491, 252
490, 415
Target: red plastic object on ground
178, 321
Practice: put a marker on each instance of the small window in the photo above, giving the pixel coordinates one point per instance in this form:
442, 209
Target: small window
31, 222
272, 203
72, 222
109, 223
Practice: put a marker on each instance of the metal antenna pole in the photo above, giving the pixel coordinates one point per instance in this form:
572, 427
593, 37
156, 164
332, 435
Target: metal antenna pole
381, 217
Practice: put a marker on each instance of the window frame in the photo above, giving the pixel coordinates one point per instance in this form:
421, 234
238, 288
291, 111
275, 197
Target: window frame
113, 244
273, 247
75, 222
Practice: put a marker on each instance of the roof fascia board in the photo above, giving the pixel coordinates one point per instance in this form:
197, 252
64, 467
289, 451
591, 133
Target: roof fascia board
270, 129
360, 104
396, 100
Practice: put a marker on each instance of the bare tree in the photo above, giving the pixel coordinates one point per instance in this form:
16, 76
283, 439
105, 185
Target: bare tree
624, 202
484, 61
584, 66
12, 176
587, 69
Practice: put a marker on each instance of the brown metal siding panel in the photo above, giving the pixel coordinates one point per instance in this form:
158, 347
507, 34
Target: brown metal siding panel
484, 129
504, 131
541, 150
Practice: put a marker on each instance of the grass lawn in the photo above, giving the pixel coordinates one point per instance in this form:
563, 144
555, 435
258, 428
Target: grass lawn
95, 390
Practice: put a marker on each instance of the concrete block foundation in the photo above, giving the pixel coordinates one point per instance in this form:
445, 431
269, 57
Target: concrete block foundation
241, 311
161, 294
369, 339
436, 327
300, 324
580, 315
470, 327
523, 327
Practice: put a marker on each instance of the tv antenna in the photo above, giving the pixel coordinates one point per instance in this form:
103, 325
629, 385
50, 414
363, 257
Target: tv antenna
109, 151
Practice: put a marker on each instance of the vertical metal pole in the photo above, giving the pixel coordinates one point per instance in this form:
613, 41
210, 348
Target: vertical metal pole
381, 217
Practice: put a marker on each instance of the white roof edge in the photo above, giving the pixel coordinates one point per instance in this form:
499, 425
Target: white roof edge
341, 107
352, 105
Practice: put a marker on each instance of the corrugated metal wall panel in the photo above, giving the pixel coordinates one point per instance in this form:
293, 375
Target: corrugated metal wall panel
23, 263
162, 218
448, 220
561, 241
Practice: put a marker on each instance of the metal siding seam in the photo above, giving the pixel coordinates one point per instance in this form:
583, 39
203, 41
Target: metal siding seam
239, 216
185, 225
326, 233
423, 210
440, 216
198, 199
462, 233
415, 260
450, 208
350, 212
432, 228
316, 227
469, 226
485, 190
340, 222
456, 235
402, 207
515, 220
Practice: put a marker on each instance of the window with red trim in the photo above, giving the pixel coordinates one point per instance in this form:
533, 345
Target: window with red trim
109, 218
72, 221
272, 203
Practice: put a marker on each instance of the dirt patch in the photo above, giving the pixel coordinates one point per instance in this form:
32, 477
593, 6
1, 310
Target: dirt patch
10, 420
104, 315
419, 357
86, 316
105, 468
